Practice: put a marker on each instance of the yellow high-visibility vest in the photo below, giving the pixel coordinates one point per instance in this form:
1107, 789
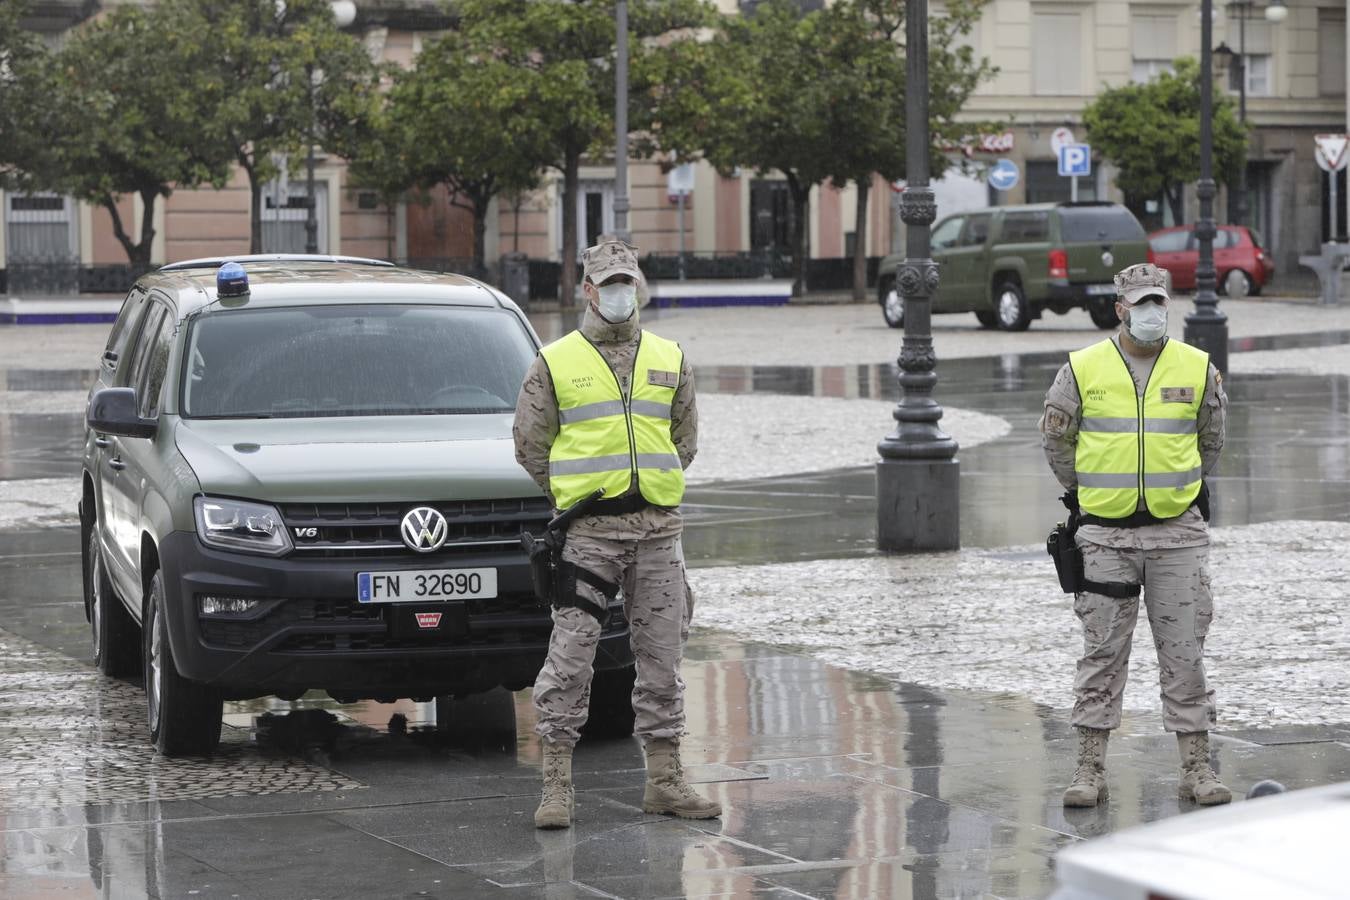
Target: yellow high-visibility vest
1127, 443
604, 439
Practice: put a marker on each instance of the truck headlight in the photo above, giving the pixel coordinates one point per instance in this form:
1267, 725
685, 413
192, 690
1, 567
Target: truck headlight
241, 525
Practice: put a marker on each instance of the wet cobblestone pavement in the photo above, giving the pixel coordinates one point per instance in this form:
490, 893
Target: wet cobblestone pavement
69, 736
873, 726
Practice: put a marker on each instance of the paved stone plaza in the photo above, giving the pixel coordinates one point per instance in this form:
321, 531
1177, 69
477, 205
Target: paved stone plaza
874, 726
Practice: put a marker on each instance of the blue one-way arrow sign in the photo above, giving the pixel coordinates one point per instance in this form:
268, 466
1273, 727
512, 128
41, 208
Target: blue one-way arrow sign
1075, 159
1003, 176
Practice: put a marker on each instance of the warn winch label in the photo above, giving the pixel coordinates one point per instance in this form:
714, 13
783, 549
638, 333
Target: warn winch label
428, 619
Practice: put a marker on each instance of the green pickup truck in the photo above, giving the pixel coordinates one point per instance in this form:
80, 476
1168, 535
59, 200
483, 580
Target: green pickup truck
1009, 264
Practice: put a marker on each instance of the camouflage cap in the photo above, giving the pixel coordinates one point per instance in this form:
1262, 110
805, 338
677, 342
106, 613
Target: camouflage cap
610, 257
1141, 280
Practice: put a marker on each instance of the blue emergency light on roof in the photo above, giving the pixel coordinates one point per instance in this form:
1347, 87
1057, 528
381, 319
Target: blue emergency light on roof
231, 280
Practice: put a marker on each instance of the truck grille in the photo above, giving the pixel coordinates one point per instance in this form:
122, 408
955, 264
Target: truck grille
372, 529
341, 626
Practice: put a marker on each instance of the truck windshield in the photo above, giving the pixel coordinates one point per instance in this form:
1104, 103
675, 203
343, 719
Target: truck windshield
1094, 224
355, 360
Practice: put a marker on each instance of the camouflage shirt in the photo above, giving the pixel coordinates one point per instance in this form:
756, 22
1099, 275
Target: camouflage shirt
1059, 438
536, 427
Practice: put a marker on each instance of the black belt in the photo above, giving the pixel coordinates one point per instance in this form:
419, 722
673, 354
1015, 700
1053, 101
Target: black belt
1143, 517
618, 506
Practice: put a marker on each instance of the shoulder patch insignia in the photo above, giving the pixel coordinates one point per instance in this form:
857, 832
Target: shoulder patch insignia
662, 378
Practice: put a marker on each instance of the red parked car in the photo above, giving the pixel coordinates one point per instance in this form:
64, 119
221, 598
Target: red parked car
1241, 264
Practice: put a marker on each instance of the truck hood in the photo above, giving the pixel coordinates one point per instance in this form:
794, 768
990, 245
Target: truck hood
356, 460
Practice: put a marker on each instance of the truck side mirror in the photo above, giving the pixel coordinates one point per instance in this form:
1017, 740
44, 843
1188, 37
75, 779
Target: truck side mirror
117, 411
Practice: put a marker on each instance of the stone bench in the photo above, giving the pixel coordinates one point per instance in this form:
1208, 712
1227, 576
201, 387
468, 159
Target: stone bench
1328, 266
737, 292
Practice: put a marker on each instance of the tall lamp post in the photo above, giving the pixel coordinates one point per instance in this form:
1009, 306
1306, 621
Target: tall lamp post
621, 120
1207, 326
918, 477
1276, 12
344, 14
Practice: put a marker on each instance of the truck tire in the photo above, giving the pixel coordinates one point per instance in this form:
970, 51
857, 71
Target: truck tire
184, 715
611, 714
1103, 313
117, 640
892, 304
1012, 309
987, 318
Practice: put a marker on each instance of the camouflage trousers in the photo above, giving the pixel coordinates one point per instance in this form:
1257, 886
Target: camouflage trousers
1179, 605
658, 606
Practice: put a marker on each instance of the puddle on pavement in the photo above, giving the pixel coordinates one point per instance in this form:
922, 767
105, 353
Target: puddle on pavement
1287, 457
831, 779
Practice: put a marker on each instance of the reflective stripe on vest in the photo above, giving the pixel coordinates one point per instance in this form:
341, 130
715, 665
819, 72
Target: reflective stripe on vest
1128, 443
604, 439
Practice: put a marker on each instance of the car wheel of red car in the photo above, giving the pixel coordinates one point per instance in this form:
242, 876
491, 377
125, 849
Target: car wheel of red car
1238, 284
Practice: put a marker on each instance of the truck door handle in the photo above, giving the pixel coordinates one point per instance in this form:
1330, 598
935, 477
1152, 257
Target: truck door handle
102, 443
116, 463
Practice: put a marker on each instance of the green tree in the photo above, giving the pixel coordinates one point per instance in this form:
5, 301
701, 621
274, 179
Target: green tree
1151, 133
461, 120
26, 127
867, 106
560, 54
129, 122
274, 76
816, 96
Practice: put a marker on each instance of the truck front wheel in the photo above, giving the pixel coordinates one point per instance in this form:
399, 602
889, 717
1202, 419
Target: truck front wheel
1012, 309
1103, 313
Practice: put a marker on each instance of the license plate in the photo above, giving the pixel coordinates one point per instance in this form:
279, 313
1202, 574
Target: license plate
426, 584
1099, 289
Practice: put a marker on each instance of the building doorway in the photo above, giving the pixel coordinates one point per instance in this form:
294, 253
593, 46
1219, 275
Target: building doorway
771, 217
284, 212
595, 212
42, 244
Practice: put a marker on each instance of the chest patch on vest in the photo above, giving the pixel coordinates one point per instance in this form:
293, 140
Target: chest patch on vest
663, 379
1178, 395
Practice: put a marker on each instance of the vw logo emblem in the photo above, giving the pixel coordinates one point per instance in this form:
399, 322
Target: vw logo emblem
1107, 259
424, 529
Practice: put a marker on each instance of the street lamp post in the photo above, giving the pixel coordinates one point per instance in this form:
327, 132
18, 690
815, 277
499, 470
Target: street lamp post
918, 477
1207, 326
311, 214
621, 119
1276, 12
344, 14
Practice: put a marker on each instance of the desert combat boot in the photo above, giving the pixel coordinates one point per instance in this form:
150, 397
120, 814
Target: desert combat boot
1198, 781
555, 809
1089, 779
667, 791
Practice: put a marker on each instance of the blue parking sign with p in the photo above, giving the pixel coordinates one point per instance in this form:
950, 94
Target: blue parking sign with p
1075, 159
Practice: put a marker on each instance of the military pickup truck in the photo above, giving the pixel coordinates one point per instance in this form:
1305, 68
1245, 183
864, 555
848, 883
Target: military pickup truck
1009, 264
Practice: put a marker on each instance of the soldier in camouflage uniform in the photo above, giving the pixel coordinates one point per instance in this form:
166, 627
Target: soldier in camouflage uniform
1167, 556
629, 541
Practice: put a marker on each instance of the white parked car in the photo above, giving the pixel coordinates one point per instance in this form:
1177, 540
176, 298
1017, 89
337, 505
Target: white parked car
1289, 846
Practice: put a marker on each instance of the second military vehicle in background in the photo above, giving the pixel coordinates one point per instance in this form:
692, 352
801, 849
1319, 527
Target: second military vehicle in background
1009, 264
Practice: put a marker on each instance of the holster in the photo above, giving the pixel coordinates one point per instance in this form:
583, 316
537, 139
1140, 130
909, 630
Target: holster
555, 580
1067, 556
541, 556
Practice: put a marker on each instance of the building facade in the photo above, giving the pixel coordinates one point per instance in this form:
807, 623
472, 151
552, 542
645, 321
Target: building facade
1052, 57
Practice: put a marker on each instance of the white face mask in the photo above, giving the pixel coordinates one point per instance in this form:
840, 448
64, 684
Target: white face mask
1147, 323
617, 301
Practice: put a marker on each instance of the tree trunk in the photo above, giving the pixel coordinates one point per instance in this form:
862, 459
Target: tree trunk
148, 200
481, 204
255, 241
568, 286
860, 241
138, 254
1175, 194
800, 196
